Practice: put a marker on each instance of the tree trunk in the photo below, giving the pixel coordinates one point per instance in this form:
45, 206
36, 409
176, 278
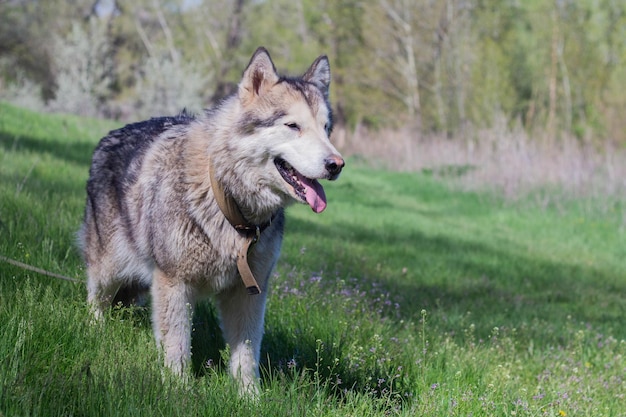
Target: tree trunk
552, 78
224, 87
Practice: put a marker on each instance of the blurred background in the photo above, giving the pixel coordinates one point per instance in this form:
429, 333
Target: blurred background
509, 92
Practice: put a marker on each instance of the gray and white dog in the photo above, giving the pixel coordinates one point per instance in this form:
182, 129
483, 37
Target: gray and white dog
182, 206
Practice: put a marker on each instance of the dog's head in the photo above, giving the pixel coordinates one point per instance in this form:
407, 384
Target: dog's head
289, 121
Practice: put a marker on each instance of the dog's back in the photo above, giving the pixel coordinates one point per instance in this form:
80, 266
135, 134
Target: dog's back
116, 163
122, 149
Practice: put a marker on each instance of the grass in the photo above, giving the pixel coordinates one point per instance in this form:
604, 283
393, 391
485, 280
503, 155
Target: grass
506, 159
405, 297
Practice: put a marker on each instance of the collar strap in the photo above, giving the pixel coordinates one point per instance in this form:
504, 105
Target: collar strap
250, 232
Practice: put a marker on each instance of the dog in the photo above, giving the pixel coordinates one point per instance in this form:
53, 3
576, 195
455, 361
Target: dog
188, 207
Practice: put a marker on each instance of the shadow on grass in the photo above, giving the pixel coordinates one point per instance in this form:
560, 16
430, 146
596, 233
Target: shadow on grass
35, 176
70, 151
458, 276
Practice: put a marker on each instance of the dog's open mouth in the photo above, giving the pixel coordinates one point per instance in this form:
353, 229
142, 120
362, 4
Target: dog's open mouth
308, 190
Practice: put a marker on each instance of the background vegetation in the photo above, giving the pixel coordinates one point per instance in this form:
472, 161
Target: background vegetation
444, 67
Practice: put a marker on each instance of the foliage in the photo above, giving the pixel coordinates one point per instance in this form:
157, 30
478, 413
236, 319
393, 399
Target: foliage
403, 298
169, 85
84, 67
437, 66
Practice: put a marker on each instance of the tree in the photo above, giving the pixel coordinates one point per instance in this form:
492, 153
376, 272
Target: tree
438, 65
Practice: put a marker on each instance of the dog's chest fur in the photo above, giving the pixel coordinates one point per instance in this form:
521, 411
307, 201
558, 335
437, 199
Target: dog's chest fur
171, 201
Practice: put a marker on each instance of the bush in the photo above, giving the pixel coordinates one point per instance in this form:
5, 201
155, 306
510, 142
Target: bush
84, 67
21, 90
166, 85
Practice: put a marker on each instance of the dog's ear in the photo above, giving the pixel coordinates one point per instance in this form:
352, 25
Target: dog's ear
259, 76
319, 74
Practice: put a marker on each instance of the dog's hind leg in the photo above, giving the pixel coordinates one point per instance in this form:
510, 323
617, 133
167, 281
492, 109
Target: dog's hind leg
242, 317
172, 313
101, 291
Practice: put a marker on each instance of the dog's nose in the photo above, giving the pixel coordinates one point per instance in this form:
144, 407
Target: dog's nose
334, 165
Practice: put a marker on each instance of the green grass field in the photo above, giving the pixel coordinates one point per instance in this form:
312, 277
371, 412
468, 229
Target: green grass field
405, 297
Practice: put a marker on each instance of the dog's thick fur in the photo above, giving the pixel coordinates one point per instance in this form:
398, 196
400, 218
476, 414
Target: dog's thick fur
152, 222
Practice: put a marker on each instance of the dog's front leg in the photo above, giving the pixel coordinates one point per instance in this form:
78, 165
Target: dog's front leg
172, 313
242, 317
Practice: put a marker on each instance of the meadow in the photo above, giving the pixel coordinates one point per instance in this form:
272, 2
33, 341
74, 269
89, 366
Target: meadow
408, 296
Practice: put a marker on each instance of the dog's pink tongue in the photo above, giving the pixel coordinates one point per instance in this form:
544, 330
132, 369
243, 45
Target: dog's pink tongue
315, 195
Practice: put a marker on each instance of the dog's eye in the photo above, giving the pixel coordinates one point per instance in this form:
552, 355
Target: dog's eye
293, 126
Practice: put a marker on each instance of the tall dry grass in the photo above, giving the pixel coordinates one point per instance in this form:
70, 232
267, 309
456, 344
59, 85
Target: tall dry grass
501, 158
